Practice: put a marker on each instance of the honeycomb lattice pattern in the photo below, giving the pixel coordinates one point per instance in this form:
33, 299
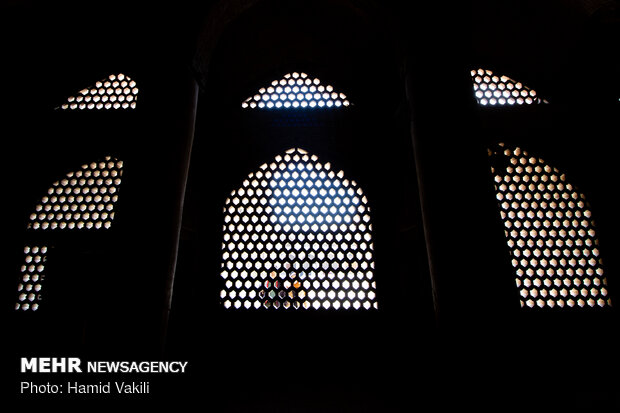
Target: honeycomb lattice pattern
82, 200
296, 90
550, 233
297, 235
493, 90
114, 92
31, 278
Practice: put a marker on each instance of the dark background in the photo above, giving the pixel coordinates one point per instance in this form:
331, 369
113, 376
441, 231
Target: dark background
449, 332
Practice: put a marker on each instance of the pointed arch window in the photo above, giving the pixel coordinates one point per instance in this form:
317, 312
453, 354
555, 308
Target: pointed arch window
495, 90
297, 235
117, 91
83, 200
296, 91
550, 232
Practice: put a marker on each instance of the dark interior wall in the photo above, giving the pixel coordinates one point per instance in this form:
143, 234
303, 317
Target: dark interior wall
562, 48
414, 140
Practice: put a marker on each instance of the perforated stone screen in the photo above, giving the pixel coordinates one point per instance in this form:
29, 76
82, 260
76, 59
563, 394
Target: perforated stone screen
83, 199
550, 233
114, 92
297, 235
296, 90
491, 90
31, 278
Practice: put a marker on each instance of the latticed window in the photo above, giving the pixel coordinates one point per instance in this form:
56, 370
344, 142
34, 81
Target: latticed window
82, 200
550, 232
296, 90
297, 234
114, 92
491, 90
31, 278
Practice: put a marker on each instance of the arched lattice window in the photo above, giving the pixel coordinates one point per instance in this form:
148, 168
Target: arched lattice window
296, 90
493, 90
114, 92
550, 233
297, 235
82, 200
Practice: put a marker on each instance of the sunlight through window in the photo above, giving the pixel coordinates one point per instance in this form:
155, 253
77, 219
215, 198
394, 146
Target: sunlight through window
81, 200
297, 235
294, 91
550, 233
31, 278
114, 92
493, 90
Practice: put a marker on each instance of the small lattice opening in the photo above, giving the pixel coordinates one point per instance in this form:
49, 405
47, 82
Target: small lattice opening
114, 92
296, 91
31, 278
297, 235
550, 232
81, 200
493, 90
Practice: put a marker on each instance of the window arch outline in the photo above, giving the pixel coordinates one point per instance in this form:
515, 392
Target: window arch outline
90, 192
296, 90
550, 233
290, 257
87, 194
